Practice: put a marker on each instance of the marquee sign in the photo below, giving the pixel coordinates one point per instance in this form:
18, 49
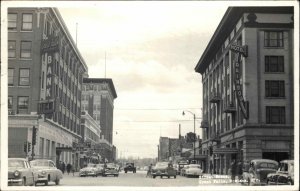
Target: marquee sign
240, 50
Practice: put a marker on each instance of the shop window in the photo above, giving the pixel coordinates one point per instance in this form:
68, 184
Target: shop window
275, 115
23, 104
273, 39
24, 77
26, 49
27, 22
11, 49
274, 64
274, 88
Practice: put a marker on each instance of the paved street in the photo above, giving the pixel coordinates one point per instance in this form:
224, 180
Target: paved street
138, 179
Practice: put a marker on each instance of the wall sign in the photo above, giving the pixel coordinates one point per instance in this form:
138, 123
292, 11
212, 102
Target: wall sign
240, 50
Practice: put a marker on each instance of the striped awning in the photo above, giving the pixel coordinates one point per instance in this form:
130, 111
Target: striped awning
225, 150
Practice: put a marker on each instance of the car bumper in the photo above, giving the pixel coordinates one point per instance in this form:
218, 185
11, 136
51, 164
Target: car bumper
87, 174
15, 182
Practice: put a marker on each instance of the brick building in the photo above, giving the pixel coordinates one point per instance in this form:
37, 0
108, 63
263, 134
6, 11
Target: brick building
45, 72
98, 100
247, 76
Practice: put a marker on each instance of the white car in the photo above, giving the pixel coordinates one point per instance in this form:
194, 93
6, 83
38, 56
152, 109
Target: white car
45, 171
193, 170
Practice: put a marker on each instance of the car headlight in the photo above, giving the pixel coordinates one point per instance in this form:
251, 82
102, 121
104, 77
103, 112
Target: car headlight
17, 173
43, 172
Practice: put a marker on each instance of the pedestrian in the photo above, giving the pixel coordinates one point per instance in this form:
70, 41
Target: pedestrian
73, 169
149, 171
69, 168
211, 167
240, 170
233, 170
63, 167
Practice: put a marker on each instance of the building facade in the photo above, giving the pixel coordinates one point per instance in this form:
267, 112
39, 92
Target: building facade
98, 100
45, 72
247, 77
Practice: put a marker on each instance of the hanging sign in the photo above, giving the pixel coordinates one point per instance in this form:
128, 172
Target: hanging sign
240, 50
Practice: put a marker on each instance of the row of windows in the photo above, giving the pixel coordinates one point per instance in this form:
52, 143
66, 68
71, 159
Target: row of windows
22, 105
26, 24
25, 49
272, 39
24, 75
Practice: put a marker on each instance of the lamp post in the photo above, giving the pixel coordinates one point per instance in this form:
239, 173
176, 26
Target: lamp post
194, 145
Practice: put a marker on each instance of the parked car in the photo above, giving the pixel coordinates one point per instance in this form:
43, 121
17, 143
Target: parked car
111, 169
284, 175
258, 171
99, 168
181, 165
192, 170
163, 169
130, 167
45, 171
20, 172
90, 170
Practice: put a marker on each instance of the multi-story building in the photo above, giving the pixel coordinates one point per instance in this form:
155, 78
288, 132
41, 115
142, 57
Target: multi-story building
45, 71
247, 76
98, 100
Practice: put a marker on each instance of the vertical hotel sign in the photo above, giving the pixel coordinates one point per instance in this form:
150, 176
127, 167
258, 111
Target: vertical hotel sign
49, 47
240, 50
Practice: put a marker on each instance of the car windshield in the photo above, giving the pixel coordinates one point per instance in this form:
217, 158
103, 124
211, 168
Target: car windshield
194, 166
283, 167
161, 165
267, 165
91, 165
39, 163
16, 163
110, 165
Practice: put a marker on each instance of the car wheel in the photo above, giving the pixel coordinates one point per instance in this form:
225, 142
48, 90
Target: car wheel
57, 181
289, 182
248, 182
168, 176
175, 176
125, 171
153, 176
160, 176
46, 183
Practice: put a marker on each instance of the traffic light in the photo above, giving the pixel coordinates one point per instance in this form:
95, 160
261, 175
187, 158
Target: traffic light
34, 135
25, 147
29, 146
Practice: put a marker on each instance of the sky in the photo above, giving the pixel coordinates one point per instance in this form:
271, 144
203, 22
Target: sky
150, 50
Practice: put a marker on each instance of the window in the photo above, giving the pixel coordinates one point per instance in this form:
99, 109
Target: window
12, 21
23, 104
274, 64
10, 102
274, 88
11, 49
27, 22
275, 115
26, 49
24, 77
10, 75
273, 39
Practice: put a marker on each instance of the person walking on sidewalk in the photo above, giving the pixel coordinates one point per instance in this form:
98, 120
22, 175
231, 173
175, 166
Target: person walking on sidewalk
233, 170
69, 168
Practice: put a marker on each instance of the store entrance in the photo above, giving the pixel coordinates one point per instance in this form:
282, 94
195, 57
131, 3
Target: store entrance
277, 156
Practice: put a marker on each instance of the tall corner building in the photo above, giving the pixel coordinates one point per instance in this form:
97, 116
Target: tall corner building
45, 72
247, 77
98, 100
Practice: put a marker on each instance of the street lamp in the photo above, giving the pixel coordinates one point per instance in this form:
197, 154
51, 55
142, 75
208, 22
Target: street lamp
194, 130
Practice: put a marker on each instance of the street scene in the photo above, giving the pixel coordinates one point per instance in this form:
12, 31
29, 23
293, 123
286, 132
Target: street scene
149, 94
